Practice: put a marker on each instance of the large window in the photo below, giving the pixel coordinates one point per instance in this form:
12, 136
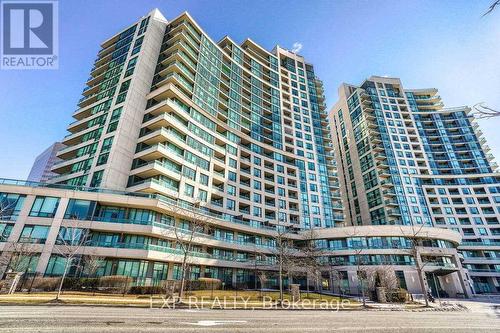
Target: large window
132, 268
5, 230
72, 236
34, 234
10, 205
44, 207
55, 266
25, 263
79, 209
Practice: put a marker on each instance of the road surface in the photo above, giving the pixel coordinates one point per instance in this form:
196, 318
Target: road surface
113, 319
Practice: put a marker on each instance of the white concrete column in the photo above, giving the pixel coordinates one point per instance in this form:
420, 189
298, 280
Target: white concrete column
170, 272
467, 290
352, 276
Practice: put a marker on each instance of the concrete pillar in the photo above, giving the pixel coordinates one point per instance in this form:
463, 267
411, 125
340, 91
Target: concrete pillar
412, 281
170, 272
202, 271
332, 281
462, 278
234, 279
421, 274
352, 277
295, 291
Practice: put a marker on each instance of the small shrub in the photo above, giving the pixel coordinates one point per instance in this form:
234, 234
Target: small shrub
80, 283
209, 284
170, 286
203, 284
46, 283
115, 283
146, 290
397, 296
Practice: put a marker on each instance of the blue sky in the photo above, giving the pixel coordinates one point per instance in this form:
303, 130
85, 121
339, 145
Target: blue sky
442, 44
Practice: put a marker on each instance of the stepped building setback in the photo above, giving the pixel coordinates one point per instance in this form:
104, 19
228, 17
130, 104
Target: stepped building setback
405, 159
174, 126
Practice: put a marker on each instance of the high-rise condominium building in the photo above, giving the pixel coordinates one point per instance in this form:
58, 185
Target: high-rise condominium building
405, 159
173, 128
41, 169
237, 128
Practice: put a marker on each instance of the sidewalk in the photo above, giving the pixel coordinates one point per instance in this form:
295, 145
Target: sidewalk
240, 302
157, 301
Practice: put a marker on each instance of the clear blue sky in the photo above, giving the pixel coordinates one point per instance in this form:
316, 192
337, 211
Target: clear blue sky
442, 44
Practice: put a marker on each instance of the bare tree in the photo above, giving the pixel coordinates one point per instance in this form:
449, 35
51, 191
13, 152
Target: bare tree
311, 255
91, 264
185, 239
387, 277
70, 241
492, 7
335, 276
258, 261
417, 236
6, 208
482, 111
285, 256
362, 272
262, 279
16, 256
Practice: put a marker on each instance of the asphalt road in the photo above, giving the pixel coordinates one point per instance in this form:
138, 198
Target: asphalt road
112, 319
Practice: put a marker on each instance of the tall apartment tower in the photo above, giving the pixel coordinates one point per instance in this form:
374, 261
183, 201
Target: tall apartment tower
237, 129
405, 159
41, 169
173, 127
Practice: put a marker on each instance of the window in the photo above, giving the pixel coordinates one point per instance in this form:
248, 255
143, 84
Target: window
202, 195
257, 211
230, 204
189, 190
72, 236
96, 178
12, 204
231, 189
106, 144
44, 207
34, 234
203, 179
189, 173
80, 209
478, 220
5, 230
56, 266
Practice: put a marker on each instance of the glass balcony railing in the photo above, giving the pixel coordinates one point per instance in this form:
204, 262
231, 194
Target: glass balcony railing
164, 249
481, 243
225, 217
